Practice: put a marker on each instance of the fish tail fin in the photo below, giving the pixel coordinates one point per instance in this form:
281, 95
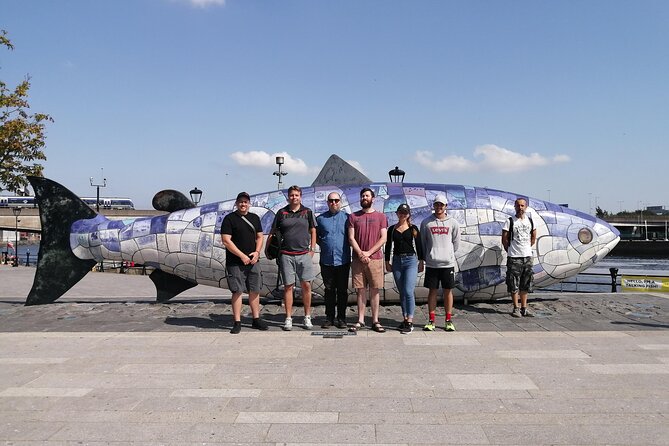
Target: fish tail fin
58, 269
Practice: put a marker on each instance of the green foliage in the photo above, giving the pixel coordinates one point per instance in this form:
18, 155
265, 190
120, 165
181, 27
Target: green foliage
601, 213
21, 133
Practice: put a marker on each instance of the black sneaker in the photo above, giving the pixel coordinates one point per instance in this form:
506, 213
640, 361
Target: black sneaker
408, 328
259, 324
401, 326
327, 324
341, 324
236, 327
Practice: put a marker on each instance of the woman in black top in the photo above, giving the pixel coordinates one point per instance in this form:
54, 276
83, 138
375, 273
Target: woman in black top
407, 261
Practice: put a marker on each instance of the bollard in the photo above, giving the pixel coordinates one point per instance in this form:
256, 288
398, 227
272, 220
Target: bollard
614, 275
28, 258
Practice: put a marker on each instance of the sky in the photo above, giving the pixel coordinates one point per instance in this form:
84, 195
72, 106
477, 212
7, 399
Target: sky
566, 101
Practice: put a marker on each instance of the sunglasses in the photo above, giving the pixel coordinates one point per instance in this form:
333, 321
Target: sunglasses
333, 200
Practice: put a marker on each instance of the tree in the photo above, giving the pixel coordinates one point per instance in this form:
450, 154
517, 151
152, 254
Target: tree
601, 213
21, 133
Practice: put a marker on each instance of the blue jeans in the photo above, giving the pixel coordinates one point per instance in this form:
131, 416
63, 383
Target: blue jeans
405, 272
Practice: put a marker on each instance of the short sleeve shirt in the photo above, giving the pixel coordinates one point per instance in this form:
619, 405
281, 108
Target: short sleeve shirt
333, 239
295, 229
521, 239
367, 228
243, 236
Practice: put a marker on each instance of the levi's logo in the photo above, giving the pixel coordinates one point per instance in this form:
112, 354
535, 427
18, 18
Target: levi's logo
439, 230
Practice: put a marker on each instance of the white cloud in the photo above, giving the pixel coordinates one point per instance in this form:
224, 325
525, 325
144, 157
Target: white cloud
492, 158
260, 158
450, 163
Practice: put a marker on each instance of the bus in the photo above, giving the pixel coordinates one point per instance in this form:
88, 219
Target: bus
105, 202
17, 202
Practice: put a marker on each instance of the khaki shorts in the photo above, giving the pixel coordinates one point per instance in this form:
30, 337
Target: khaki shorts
370, 274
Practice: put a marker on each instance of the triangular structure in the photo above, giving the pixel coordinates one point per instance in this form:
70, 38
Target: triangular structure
339, 172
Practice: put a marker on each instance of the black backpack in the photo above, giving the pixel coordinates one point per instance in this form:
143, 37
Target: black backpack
274, 246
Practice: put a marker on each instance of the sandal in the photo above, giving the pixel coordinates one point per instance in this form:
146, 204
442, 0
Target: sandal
357, 326
377, 327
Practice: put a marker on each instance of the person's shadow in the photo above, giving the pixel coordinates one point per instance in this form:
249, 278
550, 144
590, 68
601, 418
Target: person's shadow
218, 321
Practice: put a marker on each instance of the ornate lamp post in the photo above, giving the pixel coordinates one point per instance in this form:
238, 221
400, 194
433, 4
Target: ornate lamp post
396, 175
195, 195
279, 173
17, 212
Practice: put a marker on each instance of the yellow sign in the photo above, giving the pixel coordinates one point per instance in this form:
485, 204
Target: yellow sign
645, 284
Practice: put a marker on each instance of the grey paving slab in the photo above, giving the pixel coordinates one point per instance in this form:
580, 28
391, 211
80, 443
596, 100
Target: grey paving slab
432, 434
317, 433
623, 434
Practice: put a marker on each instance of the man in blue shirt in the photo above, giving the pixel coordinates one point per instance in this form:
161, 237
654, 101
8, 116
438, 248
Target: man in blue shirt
335, 260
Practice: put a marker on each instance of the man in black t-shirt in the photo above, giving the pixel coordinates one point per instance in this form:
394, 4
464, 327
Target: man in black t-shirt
242, 237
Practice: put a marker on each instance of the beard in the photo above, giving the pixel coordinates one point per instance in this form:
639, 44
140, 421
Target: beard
365, 204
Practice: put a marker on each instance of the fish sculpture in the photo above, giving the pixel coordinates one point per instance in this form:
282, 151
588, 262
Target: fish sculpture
184, 246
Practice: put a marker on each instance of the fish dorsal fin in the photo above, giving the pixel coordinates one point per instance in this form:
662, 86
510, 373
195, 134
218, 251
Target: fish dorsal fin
169, 200
337, 171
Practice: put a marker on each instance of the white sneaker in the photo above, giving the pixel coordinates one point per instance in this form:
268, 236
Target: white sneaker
288, 325
307, 323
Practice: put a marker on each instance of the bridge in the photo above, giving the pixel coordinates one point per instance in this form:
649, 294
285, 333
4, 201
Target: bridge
29, 218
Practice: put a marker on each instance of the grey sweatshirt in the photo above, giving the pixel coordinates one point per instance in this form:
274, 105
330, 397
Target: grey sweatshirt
440, 239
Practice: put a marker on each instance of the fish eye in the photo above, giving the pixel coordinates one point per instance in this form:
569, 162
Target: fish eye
585, 236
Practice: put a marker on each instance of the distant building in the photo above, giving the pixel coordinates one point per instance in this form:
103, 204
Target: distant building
657, 210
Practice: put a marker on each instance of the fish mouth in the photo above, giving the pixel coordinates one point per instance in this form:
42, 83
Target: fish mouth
606, 249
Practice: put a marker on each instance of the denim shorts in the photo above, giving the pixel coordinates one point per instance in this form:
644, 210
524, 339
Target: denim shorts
519, 274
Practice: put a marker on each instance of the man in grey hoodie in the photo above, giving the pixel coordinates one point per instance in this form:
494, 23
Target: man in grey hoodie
440, 235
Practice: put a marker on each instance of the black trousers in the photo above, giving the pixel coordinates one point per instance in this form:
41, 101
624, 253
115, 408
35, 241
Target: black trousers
335, 280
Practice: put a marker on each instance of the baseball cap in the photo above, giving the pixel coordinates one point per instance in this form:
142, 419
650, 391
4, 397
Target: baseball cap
243, 195
404, 208
440, 198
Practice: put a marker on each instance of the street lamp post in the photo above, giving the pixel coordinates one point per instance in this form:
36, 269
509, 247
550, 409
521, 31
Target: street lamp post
98, 186
195, 195
17, 212
279, 173
396, 175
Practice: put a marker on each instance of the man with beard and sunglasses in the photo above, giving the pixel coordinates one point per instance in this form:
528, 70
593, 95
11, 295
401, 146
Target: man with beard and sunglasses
335, 260
367, 234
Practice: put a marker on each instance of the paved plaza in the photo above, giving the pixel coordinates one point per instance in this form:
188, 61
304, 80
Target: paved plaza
106, 365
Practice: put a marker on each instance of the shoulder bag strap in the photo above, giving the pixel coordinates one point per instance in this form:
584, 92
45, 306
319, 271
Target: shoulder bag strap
249, 223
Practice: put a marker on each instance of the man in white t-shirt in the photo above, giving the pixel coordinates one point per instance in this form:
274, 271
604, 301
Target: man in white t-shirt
518, 237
